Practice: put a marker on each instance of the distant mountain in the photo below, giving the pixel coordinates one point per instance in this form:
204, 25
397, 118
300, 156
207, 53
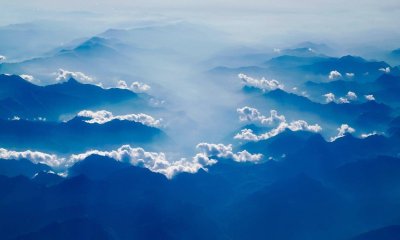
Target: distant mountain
321, 48
366, 115
70, 229
13, 168
25, 100
386, 233
43, 36
363, 69
92, 56
384, 88
75, 135
305, 206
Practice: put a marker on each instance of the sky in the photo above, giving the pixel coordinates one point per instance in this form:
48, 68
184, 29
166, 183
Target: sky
248, 21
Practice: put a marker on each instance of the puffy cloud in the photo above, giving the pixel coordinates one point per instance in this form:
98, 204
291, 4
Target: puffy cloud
247, 135
154, 161
122, 84
34, 156
342, 131
282, 125
225, 151
2, 58
30, 78
370, 97
136, 87
350, 75
351, 96
139, 87
334, 75
64, 75
248, 114
263, 84
385, 70
343, 100
103, 116
329, 97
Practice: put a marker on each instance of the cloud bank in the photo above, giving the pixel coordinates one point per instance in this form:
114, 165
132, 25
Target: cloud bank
103, 116
64, 75
333, 75
342, 131
263, 84
253, 115
136, 87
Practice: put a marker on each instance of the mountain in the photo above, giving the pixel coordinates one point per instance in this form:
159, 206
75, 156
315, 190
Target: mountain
75, 135
384, 233
384, 88
24, 167
83, 56
363, 69
71, 229
28, 101
296, 208
368, 115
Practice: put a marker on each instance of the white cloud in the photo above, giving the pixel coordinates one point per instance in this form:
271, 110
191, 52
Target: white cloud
103, 116
263, 84
225, 151
248, 114
351, 96
334, 75
247, 135
365, 135
34, 156
370, 97
350, 75
139, 87
329, 97
277, 50
2, 58
343, 100
154, 161
26, 77
64, 75
385, 70
342, 131
252, 114
122, 84
136, 87
30, 78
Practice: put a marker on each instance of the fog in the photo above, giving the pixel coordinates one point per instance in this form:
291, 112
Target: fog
173, 46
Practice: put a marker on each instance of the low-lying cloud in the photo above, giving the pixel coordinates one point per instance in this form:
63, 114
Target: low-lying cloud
136, 87
263, 84
252, 114
64, 75
342, 131
333, 75
103, 116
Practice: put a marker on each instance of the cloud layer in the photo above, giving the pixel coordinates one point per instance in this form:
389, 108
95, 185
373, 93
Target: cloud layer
136, 87
248, 114
342, 131
64, 75
263, 84
154, 161
103, 116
